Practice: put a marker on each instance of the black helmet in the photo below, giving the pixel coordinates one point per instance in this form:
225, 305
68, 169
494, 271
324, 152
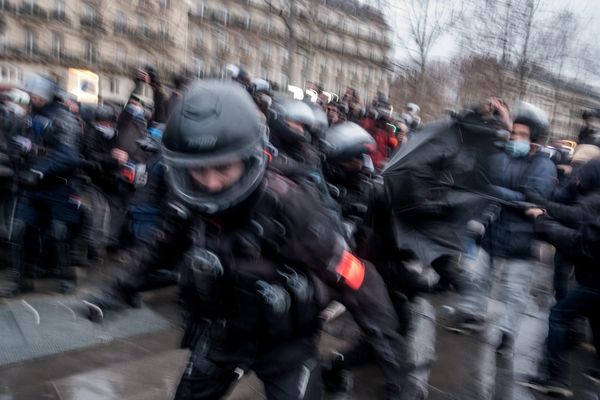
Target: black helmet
590, 113
215, 123
533, 117
105, 113
66, 128
346, 141
290, 110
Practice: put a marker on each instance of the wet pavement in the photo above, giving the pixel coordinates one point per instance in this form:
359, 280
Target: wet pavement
149, 366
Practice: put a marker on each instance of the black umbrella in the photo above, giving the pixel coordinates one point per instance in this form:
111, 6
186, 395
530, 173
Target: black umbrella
438, 181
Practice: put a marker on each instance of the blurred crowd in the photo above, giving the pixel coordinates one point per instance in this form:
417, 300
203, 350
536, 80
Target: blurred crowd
273, 214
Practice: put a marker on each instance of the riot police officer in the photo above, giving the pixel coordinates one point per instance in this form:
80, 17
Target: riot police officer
364, 210
257, 252
49, 145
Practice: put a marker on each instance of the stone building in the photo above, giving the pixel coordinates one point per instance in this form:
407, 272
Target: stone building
337, 43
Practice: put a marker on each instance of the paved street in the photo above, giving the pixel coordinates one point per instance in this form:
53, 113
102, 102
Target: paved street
148, 366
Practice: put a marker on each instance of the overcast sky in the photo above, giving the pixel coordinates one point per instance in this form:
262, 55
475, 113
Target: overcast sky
587, 10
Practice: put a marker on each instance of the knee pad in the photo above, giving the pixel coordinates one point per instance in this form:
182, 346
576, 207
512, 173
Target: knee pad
59, 230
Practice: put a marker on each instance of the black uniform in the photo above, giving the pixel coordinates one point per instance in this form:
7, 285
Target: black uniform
255, 257
49, 197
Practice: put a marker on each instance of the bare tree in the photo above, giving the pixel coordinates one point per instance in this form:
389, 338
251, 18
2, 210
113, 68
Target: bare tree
427, 21
291, 12
524, 57
286, 10
558, 49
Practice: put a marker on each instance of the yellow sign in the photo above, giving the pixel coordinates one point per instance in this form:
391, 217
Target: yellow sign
84, 85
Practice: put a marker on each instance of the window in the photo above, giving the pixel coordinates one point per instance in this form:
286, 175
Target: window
265, 74
224, 16
244, 47
163, 29
114, 85
164, 4
142, 24
4, 4
200, 8
269, 26
283, 83
222, 39
305, 62
120, 22
30, 42
247, 20
197, 38
121, 56
266, 50
197, 67
89, 12
59, 9
90, 52
29, 5
285, 55
57, 45
333, 20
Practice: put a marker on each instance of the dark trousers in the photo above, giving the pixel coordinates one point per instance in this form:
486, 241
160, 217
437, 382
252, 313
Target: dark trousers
562, 273
299, 383
580, 301
57, 212
374, 313
289, 371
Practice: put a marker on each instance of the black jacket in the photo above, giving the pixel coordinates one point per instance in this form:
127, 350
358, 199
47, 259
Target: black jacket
280, 226
130, 131
584, 210
581, 245
55, 136
102, 168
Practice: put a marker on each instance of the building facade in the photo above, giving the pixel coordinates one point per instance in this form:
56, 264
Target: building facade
331, 42
564, 103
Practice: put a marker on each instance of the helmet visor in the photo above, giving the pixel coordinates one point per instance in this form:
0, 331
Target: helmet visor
236, 177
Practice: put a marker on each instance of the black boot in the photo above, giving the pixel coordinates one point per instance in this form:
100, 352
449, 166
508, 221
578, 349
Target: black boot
66, 271
336, 378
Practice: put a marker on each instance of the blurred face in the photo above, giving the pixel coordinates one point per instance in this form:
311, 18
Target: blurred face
38, 101
72, 106
402, 133
521, 132
354, 165
218, 178
106, 124
295, 126
332, 115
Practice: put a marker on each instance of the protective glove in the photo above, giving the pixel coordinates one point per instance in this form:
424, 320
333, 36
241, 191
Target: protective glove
30, 178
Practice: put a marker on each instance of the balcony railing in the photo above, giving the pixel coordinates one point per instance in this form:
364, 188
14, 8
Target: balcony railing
33, 11
91, 23
6, 6
59, 15
147, 5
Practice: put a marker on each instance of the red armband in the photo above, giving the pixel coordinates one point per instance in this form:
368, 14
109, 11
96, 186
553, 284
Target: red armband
351, 269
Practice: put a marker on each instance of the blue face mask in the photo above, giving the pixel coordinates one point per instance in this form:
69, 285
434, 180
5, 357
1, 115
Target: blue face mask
518, 148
